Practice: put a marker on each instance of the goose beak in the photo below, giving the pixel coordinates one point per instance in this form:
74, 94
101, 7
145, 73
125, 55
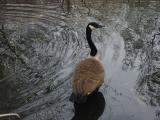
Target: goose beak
101, 26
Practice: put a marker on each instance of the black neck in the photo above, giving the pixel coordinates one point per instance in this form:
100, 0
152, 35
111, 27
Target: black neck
90, 42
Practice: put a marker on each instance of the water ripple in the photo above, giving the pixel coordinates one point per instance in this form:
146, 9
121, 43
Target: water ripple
40, 43
48, 50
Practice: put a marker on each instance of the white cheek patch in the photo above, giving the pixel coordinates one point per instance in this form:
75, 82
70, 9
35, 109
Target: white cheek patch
92, 28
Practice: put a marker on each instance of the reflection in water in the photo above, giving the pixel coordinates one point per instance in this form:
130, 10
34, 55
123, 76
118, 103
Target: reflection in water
142, 44
92, 109
142, 52
148, 85
40, 42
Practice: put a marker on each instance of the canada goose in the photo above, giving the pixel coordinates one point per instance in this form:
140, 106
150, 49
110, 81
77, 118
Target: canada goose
89, 73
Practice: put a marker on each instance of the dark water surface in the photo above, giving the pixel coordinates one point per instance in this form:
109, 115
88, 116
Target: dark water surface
41, 41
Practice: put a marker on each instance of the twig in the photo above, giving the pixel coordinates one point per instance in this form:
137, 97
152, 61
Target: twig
9, 114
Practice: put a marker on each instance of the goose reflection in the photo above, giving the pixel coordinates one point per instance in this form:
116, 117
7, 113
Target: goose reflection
92, 109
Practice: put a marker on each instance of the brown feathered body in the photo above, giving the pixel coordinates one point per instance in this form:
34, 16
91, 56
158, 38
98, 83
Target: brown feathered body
88, 75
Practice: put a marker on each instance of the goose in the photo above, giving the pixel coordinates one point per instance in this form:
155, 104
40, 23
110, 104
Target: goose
88, 74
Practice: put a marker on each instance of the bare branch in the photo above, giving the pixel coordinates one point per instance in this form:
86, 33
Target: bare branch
10, 114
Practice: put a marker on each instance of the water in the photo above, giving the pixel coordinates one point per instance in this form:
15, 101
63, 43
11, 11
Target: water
41, 41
